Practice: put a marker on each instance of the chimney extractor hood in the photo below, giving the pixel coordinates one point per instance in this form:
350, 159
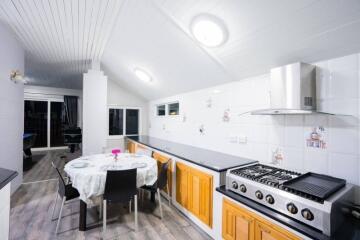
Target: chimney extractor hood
292, 90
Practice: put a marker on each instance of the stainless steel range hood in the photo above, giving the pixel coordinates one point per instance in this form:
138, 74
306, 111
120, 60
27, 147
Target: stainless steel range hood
292, 90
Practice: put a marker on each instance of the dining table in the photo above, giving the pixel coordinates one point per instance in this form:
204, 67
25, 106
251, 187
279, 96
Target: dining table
88, 175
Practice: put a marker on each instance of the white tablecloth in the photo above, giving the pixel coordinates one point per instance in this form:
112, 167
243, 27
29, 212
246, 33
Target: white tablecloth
90, 180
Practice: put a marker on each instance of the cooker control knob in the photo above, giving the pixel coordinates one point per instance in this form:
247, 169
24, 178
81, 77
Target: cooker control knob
270, 199
307, 214
235, 185
292, 208
242, 188
259, 195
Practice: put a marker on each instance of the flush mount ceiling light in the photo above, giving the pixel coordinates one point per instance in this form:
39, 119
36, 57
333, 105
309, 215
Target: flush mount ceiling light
142, 75
209, 30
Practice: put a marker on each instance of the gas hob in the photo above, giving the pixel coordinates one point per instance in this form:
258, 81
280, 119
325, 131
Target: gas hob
310, 199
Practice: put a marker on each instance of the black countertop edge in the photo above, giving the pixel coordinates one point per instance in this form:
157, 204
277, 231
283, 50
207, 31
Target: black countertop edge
6, 176
293, 224
135, 139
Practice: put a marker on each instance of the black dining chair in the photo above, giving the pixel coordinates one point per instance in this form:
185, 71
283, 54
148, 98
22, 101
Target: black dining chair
66, 193
120, 187
160, 183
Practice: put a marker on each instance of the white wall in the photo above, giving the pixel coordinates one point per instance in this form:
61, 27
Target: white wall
11, 106
118, 96
94, 112
50, 93
338, 92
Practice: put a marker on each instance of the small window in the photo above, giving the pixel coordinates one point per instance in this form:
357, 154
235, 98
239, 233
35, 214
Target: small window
116, 121
173, 109
132, 121
161, 110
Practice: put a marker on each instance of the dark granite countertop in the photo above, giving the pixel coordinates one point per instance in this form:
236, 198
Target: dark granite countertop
350, 230
213, 160
6, 176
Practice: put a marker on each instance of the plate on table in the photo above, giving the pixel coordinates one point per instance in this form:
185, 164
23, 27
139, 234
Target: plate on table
79, 165
139, 165
110, 167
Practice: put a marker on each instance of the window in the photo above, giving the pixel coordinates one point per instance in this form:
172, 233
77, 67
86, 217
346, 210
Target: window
173, 108
161, 110
132, 121
123, 121
116, 122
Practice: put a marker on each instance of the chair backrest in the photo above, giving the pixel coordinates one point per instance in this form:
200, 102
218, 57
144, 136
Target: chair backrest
61, 188
162, 176
120, 185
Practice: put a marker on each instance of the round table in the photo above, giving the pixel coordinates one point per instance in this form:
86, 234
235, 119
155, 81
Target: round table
90, 178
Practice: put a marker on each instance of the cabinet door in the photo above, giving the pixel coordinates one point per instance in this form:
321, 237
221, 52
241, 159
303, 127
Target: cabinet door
182, 175
131, 146
200, 195
267, 232
236, 224
161, 159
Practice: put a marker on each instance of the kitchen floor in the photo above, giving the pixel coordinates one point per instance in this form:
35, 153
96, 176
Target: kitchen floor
32, 203
40, 167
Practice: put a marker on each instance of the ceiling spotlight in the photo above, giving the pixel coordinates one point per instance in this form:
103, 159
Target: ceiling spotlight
142, 75
209, 30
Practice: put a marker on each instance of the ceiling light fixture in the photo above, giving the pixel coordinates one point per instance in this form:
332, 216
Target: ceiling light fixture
209, 30
142, 75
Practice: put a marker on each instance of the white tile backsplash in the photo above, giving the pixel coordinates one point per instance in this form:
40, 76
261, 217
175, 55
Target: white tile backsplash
338, 92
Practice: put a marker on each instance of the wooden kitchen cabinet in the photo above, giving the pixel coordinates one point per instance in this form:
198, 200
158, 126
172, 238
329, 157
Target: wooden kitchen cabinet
161, 159
131, 147
194, 192
182, 176
239, 223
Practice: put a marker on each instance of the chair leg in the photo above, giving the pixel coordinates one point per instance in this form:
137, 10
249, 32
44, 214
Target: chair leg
136, 212
159, 197
101, 208
130, 206
169, 196
104, 219
59, 219
53, 211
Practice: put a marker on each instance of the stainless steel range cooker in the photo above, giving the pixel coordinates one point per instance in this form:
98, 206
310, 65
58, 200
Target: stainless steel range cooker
313, 199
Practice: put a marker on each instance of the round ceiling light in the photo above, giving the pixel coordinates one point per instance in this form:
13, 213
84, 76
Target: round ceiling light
209, 30
142, 75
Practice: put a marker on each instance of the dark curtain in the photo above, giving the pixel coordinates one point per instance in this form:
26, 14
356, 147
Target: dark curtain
71, 111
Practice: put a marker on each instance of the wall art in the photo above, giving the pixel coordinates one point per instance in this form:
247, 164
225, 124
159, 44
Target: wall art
316, 138
202, 129
226, 116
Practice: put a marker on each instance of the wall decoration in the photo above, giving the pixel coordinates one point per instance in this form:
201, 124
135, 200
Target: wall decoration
226, 116
202, 129
184, 117
209, 102
277, 157
317, 138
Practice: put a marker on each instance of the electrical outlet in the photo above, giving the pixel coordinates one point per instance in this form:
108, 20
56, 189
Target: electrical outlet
233, 139
242, 139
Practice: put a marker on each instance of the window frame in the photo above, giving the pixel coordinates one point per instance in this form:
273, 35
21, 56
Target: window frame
168, 109
157, 112
124, 108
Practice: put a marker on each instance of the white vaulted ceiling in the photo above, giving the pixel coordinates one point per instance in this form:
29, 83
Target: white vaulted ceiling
62, 36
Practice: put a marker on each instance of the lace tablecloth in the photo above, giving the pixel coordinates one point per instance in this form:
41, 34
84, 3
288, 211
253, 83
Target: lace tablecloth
88, 173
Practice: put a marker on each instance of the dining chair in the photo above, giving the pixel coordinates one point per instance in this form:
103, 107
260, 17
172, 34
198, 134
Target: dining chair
120, 187
66, 193
160, 183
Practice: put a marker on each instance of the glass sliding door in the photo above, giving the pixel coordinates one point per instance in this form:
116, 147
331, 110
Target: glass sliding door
35, 121
56, 124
